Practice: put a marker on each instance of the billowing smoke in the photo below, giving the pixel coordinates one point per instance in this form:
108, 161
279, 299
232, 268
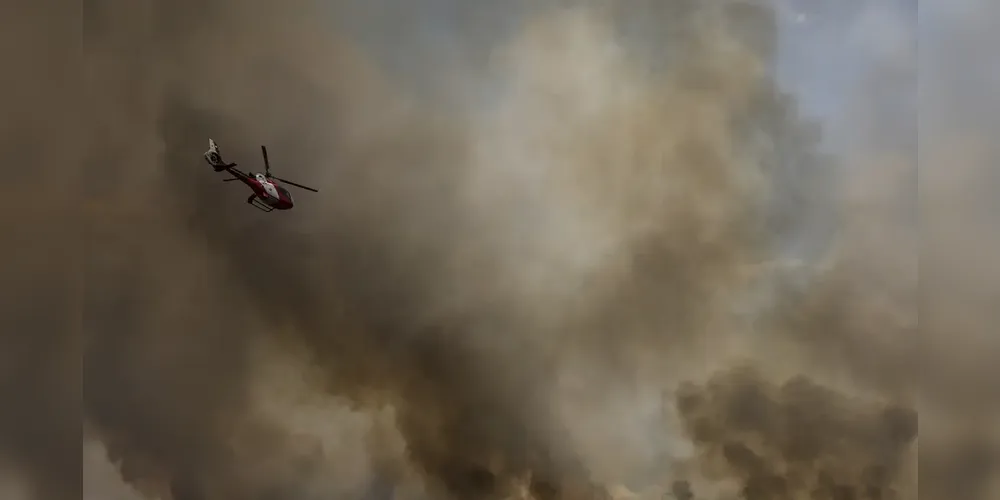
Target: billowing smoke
797, 440
462, 266
549, 261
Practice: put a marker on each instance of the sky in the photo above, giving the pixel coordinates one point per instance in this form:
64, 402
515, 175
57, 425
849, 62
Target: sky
827, 53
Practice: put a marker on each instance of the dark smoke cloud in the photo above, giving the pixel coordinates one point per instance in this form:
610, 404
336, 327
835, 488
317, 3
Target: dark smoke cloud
798, 439
368, 287
350, 287
488, 287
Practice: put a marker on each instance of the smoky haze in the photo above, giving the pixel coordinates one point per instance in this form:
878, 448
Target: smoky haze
958, 183
40, 355
558, 273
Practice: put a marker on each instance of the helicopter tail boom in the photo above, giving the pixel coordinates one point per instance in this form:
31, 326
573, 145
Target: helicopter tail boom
214, 157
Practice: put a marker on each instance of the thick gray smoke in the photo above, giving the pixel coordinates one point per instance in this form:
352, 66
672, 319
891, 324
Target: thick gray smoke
535, 268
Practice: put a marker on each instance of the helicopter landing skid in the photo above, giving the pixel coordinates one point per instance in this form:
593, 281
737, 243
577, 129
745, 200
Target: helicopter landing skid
260, 205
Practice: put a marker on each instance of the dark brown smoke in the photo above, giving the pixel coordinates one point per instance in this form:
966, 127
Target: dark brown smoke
39, 344
496, 274
168, 377
798, 439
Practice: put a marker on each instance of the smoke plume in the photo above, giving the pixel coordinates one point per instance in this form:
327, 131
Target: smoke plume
548, 259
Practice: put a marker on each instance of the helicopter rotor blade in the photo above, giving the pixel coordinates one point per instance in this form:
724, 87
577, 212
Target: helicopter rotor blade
267, 164
296, 184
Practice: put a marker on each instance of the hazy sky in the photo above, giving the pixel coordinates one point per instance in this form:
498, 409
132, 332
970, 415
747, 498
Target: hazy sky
827, 47
826, 53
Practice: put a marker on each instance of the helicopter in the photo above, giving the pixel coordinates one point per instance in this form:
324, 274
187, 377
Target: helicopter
267, 194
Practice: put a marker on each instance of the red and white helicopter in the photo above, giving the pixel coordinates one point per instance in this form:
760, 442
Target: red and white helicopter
267, 194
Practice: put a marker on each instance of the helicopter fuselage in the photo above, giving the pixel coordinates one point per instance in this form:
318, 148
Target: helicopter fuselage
268, 191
